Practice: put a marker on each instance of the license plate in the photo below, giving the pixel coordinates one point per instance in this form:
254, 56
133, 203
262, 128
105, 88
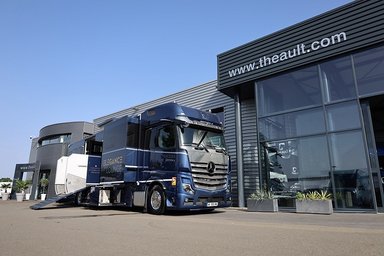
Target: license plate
212, 204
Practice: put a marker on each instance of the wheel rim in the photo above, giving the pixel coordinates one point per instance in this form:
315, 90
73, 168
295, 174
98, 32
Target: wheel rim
156, 200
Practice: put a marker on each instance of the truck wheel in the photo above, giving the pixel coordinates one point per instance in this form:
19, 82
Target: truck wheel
81, 197
156, 200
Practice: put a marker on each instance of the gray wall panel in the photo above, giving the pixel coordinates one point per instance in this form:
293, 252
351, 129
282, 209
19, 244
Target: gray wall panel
203, 97
250, 157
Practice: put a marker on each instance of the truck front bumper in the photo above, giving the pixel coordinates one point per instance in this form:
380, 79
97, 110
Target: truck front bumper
203, 200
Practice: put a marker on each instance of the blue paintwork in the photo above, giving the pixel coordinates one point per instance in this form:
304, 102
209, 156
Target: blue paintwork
173, 111
93, 172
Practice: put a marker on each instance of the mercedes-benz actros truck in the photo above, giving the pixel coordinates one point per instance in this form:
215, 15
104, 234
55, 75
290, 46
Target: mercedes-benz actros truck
169, 157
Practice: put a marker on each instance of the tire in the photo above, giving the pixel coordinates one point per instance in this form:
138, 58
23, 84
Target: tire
78, 198
81, 197
156, 200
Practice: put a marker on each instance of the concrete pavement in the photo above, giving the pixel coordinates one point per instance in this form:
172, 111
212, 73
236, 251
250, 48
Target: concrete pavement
83, 231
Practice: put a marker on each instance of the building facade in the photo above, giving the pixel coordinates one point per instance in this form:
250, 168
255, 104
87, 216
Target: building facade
52, 143
302, 108
316, 90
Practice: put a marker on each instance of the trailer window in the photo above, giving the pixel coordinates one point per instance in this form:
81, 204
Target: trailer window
133, 135
114, 135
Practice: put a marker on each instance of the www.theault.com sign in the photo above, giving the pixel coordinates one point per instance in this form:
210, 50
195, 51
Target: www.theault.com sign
298, 50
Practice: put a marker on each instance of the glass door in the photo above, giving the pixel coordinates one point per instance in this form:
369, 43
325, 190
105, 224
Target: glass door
372, 109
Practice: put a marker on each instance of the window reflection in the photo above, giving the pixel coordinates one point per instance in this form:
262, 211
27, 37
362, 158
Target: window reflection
348, 151
115, 134
289, 91
297, 165
352, 184
293, 124
193, 136
166, 138
310, 129
369, 67
63, 138
337, 78
343, 116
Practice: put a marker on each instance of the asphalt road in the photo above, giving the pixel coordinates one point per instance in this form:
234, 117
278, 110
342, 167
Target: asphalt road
82, 231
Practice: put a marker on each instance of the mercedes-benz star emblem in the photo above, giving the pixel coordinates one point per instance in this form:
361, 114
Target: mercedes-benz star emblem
211, 168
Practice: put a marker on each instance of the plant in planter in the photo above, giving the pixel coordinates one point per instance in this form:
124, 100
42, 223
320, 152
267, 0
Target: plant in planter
28, 194
5, 186
314, 202
44, 184
262, 201
21, 186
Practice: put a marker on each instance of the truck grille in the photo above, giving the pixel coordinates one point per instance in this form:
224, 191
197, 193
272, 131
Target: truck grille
204, 179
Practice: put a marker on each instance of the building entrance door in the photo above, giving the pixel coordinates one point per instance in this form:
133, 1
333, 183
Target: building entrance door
373, 115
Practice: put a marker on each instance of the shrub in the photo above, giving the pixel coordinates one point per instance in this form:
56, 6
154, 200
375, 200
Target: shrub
22, 185
314, 195
261, 195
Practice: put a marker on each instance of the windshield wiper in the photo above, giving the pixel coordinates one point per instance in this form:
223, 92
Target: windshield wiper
202, 146
201, 141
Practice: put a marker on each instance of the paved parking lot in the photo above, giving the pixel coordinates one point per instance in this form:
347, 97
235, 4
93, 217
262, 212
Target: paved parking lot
83, 231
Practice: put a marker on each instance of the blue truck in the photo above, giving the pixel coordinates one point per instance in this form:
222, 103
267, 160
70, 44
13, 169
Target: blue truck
169, 157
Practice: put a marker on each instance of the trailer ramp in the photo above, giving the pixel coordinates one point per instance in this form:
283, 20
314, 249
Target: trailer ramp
56, 199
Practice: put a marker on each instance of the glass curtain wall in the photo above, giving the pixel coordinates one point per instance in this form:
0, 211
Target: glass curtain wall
311, 133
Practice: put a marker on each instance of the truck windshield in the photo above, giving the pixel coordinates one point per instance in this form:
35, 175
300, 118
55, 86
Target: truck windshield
202, 138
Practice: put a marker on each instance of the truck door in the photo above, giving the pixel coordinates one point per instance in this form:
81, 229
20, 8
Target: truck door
160, 158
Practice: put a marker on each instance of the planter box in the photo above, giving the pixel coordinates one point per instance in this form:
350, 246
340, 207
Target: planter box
266, 205
5, 196
314, 206
19, 197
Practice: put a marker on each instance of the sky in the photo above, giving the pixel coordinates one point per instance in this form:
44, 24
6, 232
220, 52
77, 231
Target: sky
77, 60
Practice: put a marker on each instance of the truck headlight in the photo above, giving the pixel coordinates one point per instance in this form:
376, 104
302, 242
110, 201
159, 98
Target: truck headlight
187, 188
